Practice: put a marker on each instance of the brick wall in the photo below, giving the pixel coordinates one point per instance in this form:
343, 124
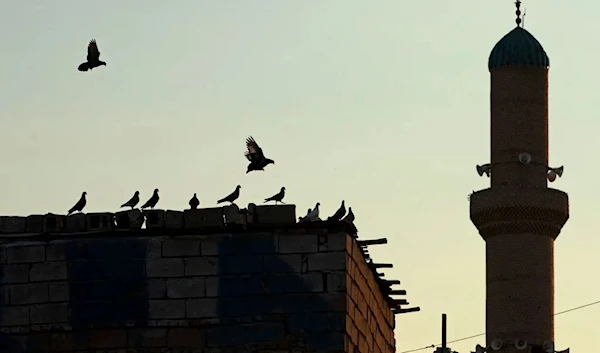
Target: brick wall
275, 289
369, 321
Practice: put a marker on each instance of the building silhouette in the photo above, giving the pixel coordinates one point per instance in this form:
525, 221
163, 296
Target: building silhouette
519, 216
204, 280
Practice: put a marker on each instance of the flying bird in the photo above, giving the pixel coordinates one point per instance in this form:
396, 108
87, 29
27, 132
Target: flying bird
152, 201
349, 217
278, 197
79, 205
93, 57
133, 201
255, 155
231, 197
339, 213
194, 202
314, 214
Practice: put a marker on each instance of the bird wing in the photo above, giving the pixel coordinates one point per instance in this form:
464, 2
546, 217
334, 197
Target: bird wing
313, 214
79, 205
234, 195
274, 197
229, 197
254, 153
93, 53
132, 201
149, 202
339, 213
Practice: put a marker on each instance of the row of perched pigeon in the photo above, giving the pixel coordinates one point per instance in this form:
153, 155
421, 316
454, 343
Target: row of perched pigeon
311, 215
194, 202
254, 155
339, 215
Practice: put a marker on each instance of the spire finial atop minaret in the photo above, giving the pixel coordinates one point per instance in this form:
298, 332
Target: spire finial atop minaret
518, 12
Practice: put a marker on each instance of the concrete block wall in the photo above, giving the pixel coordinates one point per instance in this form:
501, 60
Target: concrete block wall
285, 289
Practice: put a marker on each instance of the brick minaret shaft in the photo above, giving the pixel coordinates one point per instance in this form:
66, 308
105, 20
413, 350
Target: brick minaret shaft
519, 217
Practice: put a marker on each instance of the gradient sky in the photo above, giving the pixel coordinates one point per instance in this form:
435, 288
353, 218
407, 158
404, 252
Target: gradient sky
383, 103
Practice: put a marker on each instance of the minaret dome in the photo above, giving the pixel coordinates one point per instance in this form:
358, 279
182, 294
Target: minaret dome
518, 48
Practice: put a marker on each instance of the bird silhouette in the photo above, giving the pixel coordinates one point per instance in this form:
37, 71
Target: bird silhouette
194, 202
278, 197
79, 205
231, 197
339, 213
152, 201
314, 214
93, 57
255, 155
300, 219
349, 217
132, 201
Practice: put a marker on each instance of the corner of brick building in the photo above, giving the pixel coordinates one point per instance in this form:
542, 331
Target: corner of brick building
289, 288
370, 321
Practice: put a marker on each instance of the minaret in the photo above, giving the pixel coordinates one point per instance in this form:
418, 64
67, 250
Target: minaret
519, 217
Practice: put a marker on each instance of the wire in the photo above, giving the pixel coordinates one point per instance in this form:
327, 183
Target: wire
481, 334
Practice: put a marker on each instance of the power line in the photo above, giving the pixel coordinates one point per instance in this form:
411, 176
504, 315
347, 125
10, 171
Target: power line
481, 334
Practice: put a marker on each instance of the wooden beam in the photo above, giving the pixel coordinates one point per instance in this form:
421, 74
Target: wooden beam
372, 242
398, 292
390, 282
383, 265
398, 302
407, 310
380, 274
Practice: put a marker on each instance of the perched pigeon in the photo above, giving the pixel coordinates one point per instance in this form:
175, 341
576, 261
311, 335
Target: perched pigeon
93, 57
300, 219
339, 213
231, 197
350, 220
349, 217
152, 201
79, 205
277, 198
133, 201
194, 202
255, 155
314, 214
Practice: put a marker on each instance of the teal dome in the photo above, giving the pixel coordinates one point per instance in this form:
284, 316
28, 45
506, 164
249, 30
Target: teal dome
518, 48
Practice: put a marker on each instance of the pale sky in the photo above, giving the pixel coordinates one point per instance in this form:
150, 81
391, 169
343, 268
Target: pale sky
383, 103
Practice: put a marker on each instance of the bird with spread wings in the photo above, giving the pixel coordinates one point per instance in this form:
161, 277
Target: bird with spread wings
93, 57
255, 156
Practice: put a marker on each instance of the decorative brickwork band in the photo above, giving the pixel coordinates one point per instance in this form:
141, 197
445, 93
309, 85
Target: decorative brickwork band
526, 226
507, 210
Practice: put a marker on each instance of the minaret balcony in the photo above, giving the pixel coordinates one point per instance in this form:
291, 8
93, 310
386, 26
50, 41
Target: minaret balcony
506, 210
